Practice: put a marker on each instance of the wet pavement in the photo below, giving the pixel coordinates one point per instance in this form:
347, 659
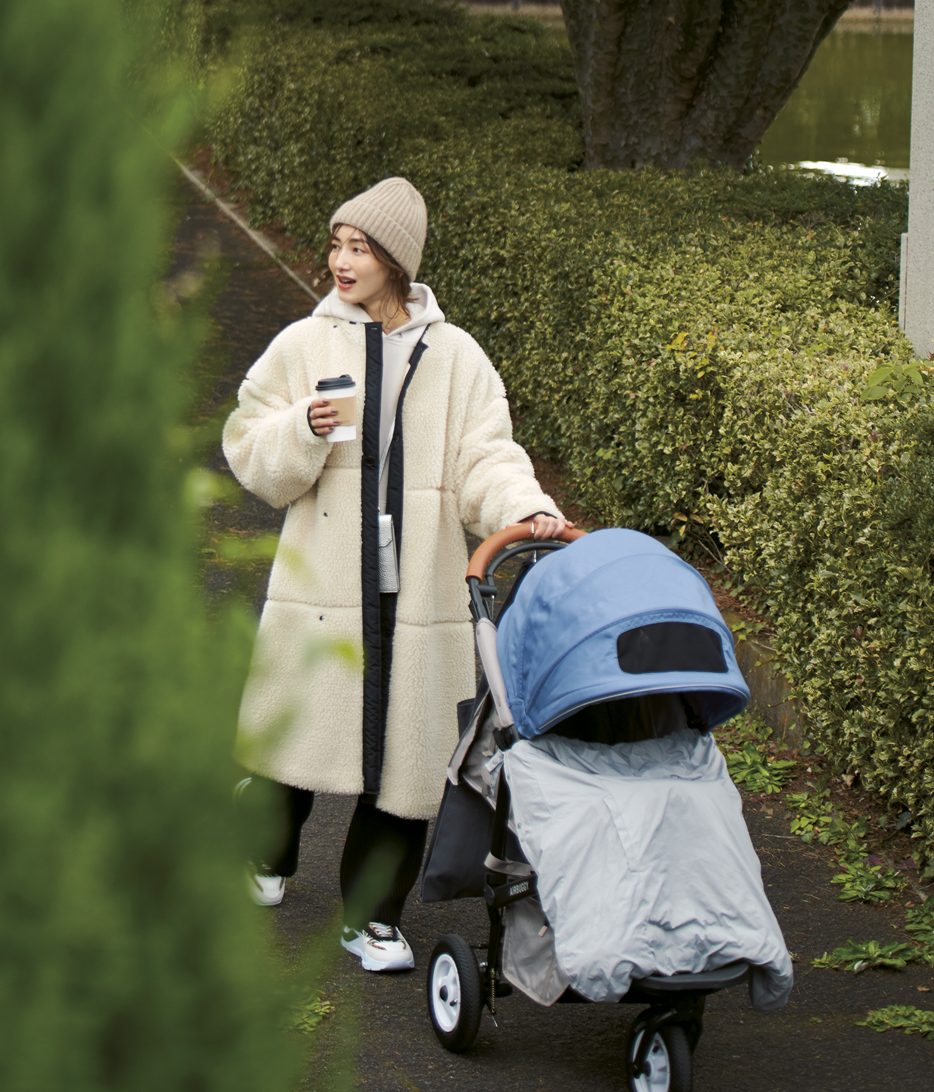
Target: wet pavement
379, 1037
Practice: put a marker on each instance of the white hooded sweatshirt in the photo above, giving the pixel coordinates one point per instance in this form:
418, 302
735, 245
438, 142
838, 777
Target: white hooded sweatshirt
423, 309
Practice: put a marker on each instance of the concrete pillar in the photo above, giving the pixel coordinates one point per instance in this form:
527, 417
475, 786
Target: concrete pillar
916, 303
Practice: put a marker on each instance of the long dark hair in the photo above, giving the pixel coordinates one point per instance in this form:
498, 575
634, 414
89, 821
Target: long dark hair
400, 283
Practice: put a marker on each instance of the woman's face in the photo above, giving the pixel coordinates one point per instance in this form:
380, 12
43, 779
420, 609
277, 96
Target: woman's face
359, 277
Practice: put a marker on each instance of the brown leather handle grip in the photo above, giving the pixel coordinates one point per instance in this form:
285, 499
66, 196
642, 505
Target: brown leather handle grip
515, 532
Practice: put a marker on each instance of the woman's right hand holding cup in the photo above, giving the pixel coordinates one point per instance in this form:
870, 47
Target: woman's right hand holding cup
321, 417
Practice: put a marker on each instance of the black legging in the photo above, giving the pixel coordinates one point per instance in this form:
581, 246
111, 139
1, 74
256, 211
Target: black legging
381, 859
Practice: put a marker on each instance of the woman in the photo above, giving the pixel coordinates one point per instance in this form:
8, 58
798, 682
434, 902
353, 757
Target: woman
434, 449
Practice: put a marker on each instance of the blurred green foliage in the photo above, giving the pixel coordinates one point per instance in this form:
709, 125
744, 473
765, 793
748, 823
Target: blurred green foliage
129, 956
700, 352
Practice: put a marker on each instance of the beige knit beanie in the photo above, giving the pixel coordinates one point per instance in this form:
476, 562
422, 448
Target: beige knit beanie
393, 213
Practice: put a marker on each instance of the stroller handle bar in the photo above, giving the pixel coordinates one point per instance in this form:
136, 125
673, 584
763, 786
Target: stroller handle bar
515, 532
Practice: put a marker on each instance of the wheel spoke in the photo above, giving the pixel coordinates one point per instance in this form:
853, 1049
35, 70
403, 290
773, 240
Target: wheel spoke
446, 992
656, 1074
668, 1063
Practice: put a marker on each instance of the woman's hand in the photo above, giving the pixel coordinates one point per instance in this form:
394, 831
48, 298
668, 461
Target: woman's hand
322, 419
542, 525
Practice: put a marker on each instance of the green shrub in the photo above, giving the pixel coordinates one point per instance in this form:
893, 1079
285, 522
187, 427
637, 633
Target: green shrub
129, 955
694, 349
351, 92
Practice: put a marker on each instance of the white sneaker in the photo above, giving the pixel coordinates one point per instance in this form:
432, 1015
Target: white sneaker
266, 889
379, 947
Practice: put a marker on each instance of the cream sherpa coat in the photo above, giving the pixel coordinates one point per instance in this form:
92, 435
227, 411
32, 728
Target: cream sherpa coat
313, 720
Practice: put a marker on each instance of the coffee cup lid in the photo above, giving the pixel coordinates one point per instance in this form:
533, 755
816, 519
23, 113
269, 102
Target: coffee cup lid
334, 383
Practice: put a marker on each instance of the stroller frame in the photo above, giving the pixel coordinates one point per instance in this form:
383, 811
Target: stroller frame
464, 978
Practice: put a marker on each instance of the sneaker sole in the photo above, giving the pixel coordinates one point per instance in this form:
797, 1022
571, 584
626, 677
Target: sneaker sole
261, 900
356, 948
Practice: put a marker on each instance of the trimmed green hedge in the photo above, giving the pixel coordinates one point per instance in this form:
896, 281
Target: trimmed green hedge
131, 956
694, 349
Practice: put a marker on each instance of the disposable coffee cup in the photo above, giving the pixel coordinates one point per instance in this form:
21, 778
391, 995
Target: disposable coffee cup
341, 392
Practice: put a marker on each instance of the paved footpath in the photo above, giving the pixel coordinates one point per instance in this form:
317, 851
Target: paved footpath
379, 1037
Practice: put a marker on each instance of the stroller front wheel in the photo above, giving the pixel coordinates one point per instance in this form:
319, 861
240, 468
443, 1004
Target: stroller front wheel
668, 1064
455, 998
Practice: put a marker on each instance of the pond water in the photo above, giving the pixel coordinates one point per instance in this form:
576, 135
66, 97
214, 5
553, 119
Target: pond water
853, 103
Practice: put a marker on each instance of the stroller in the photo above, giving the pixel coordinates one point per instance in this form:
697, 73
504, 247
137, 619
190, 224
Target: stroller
588, 805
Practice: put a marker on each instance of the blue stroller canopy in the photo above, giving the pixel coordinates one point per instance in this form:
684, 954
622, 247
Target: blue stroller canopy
615, 615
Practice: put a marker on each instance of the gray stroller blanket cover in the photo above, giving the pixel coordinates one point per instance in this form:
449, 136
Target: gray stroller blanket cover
644, 865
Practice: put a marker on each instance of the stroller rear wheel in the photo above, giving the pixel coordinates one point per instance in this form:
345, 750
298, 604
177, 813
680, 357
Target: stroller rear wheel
455, 994
668, 1064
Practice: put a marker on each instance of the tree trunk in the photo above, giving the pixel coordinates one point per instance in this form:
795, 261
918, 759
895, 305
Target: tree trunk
680, 82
